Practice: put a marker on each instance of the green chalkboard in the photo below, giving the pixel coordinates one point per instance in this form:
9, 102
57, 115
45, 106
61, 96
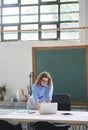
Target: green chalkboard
68, 69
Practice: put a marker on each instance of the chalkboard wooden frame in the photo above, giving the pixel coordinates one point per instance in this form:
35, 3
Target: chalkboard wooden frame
36, 51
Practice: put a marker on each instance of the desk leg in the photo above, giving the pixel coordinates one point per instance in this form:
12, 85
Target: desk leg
30, 126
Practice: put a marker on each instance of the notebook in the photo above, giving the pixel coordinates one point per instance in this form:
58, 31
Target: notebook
48, 108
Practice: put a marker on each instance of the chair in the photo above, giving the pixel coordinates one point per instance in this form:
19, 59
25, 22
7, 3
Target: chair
64, 103
5, 125
45, 125
63, 100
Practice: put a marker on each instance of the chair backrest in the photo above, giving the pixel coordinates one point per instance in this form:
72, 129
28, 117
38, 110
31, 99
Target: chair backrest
63, 100
45, 125
5, 125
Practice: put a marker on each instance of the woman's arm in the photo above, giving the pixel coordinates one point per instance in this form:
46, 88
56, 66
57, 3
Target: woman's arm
38, 105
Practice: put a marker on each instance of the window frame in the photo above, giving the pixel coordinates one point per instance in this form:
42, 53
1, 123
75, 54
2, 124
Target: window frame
40, 24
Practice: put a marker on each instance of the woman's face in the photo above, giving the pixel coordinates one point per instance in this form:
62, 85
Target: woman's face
44, 81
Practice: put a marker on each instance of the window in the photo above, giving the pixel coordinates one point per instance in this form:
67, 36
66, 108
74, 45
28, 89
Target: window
38, 20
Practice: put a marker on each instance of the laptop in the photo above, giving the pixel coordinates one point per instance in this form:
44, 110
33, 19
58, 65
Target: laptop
48, 108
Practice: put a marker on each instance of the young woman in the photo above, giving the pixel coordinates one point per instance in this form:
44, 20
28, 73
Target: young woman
42, 91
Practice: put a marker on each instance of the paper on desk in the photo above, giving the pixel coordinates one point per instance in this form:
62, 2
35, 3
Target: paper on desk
23, 111
26, 111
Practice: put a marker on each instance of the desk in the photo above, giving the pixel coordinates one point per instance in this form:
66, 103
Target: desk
23, 116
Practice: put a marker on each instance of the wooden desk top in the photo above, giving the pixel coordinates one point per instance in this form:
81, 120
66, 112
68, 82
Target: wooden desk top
26, 116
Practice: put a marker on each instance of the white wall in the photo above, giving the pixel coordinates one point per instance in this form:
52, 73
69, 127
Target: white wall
16, 57
15, 66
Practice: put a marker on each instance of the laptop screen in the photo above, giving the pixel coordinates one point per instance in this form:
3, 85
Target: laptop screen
48, 108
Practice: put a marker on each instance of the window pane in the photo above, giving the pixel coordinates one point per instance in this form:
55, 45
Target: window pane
69, 0
29, 14
69, 12
48, 0
29, 10
49, 34
25, 19
29, 2
10, 35
10, 28
13, 19
70, 17
69, 34
49, 13
29, 27
10, 11
31, 35
69, 8
0, 15
10, 15
49, 9
48, 18
10, 1
0, 12
0, 33
69, 25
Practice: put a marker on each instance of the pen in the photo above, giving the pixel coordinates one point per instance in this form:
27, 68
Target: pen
31, 112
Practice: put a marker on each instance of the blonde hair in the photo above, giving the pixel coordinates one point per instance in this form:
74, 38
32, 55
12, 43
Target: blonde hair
46, 75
